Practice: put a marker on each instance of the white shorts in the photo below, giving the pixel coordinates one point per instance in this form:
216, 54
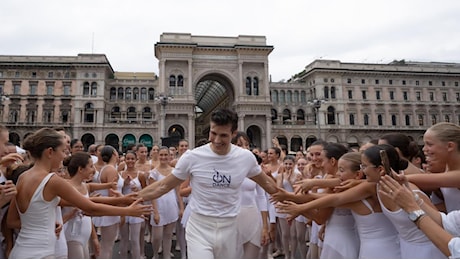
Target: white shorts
211, 237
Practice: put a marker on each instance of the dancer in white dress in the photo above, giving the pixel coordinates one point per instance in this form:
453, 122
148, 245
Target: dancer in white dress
169, 207
131, 229
39, 192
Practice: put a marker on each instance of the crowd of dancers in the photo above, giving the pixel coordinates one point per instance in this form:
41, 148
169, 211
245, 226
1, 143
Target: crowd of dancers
223, 200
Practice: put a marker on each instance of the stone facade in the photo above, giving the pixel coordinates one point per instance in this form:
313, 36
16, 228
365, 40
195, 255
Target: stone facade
198, 74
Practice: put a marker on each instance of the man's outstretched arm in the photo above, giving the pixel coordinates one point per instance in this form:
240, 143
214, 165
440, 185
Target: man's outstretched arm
158, 188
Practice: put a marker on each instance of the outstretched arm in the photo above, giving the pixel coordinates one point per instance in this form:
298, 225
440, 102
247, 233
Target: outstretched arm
266, 183
158, 188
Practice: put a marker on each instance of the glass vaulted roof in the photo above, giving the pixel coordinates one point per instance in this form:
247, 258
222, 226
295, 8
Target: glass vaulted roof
208, 94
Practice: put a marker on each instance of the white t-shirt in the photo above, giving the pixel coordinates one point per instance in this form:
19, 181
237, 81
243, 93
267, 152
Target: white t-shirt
216, 179
451, 223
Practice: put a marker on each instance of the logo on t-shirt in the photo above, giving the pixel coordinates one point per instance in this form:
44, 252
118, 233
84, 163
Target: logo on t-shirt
221, 180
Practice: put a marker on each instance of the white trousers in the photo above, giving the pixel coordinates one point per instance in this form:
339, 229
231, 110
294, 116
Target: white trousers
211, 237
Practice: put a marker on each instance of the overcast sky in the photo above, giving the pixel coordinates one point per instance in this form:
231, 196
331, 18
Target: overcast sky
300, 30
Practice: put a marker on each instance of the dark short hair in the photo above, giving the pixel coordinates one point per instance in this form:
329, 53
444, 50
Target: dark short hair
225, 116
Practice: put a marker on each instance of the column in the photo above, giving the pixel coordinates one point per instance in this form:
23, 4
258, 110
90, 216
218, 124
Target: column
162, 121
241, 122
190, 81
268, 137
191, 131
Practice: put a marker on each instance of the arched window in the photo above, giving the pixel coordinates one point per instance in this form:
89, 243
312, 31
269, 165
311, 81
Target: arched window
393, 119
296, 97
380, 119
131, 115
115, 114
65, 116
326, 92
121, 93
274, 96
446, 118
331, 115
151, 94
94, 89
136, 94
172, 81
89, 113
274, 116
256, 86
180, 81
433, 119
128, 93
333, 92
143, 94
300, 117
407, 117
281, 97
420, 120
287, 116
86, 89
248, 86
13, 117
113, 94
352, 119
48, 116
146, 113
366, 119
289, 97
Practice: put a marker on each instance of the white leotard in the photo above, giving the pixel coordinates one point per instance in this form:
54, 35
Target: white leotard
37, 238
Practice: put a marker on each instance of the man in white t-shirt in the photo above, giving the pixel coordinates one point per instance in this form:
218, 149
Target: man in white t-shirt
216, 172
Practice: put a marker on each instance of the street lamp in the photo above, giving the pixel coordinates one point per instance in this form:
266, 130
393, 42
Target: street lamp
163, 100
316, 104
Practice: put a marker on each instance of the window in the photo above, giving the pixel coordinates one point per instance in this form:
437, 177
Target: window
405, 97
393, 120
349, 81
151, 94
377, 94
180, 81
333, 92
34, 74
136, 94
1, 74
456, 82
444, 96
16, 88
48, 116
13, 116
407, 117
326, 92
404, 82
350, 94
67, 90
172, 81
94, 89
143, 94
289, 97
50, 74
248, 86
67, 75
65, 116
331, 115
420, 120
1, 88
433, 119
430, 83
443, 83
113, 94
128, 93
418, 95
31, 116
457, 96
364, 94
89, 113
352, 119
17, 74
33, 89
431, 96
255, 86
94, 75
86, 89
121, 93
392, 95
325, 80
446, 118
366, 119
380, 119
49, 89
417, 83
377, 82
390, 82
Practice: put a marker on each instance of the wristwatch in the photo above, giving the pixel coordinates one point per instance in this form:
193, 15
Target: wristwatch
416, 215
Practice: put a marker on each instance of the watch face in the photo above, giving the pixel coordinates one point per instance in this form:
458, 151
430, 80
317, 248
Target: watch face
415, 215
